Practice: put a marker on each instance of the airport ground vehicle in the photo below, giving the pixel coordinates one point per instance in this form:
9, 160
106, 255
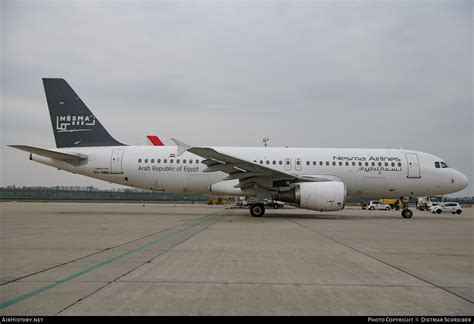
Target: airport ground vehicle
393, 203
275, 204
374, 204
425, 203
312, 178
447, 207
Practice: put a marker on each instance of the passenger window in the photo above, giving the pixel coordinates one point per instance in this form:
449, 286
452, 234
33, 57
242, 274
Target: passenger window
165, 161
280, 162
347, 163
268, 162
190, 161
380, 163
373, 163
314, 163
158, 161
327, 162
334, 163
399, 164
353, 163
171, 161
298, 162
393, 164
307, 162
340, 163
287, 162
184, 161
437, 165
152, 161
146, 160
274, 162
261, 162
139, 160
197, 161
360, 163
386, 164
177, 160
366, 163
320, 162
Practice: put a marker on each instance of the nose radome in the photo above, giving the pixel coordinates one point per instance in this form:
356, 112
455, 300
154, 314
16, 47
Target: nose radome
462, 180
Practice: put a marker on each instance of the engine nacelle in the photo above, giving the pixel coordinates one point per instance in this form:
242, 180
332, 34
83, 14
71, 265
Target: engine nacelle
322, 196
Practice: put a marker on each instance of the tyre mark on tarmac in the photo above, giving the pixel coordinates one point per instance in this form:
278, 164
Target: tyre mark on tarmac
212, 221
174, 231
381, 261
86, 256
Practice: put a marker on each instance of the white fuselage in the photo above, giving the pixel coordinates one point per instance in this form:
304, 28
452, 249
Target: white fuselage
389, 173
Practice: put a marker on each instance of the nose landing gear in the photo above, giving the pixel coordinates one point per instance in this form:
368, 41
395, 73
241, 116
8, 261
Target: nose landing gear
406, 213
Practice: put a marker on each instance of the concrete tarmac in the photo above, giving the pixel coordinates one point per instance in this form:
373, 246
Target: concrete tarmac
126, 259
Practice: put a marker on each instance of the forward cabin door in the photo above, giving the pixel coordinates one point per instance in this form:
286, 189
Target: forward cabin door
413, 165
116, 161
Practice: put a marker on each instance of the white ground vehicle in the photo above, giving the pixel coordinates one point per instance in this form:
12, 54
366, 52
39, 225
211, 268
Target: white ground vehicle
425, 203
374, 204
275, 204
447, 207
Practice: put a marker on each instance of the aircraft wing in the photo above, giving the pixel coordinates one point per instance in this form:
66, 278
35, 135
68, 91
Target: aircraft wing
248, 173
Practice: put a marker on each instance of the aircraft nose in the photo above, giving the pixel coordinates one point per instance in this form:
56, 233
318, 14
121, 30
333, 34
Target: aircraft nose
462, 180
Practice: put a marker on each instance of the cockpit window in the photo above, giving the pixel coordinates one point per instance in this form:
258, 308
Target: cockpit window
437, 165
444, 165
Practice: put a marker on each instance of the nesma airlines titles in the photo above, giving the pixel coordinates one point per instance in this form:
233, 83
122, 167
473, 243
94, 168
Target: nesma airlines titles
312, 178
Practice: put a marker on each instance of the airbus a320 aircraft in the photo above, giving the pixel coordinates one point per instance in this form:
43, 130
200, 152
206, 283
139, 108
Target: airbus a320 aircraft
312, 178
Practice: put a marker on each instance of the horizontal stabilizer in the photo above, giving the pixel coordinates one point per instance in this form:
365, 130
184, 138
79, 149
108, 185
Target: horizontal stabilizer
51, 154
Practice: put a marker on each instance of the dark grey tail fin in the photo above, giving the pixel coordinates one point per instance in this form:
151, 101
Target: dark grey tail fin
73, 123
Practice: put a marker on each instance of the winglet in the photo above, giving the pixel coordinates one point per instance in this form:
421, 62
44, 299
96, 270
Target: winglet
181, 146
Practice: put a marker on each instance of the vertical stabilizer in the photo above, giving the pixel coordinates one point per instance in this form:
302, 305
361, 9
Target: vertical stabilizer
73, 123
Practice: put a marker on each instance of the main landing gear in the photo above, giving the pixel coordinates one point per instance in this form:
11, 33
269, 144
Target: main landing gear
257, 210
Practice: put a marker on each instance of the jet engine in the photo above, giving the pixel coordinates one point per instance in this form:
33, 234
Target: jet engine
322, 196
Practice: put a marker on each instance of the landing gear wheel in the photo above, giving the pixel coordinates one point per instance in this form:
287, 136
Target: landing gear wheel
406, 213
257, 210
276, 206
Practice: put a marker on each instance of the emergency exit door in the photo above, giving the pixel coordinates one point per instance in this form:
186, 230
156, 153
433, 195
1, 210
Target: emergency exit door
298, 164
287, 164
116, 161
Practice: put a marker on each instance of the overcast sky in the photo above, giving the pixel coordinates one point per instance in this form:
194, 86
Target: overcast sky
379, 74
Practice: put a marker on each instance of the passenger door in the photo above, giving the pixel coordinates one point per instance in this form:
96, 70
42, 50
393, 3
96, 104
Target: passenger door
116, 161
413, 165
